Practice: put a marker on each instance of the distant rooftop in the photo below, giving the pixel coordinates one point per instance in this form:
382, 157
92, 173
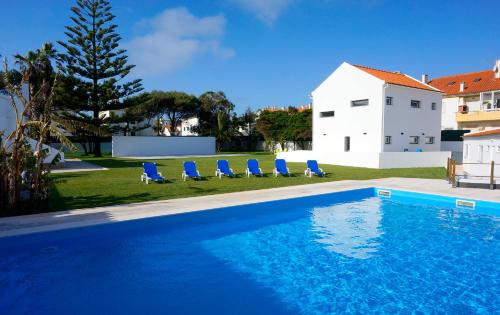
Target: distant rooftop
474, 82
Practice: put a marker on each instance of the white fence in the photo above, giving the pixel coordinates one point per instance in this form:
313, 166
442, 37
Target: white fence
371, 160
162, 146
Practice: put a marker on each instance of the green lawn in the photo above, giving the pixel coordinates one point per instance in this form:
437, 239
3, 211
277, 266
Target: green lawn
121, 183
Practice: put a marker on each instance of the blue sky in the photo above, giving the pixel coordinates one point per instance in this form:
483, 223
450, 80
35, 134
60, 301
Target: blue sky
274, 52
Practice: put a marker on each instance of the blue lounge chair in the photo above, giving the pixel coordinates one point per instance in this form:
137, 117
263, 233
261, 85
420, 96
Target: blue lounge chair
313, 169
419, 150
151, 173
190, 170
223, 169
280, 168
253, 168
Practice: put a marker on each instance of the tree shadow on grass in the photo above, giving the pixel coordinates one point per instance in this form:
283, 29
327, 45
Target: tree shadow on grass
58, 202
115, 163
203, 190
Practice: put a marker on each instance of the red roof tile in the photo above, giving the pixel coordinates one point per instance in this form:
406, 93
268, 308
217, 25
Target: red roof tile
397, 78
475, 82
484, 133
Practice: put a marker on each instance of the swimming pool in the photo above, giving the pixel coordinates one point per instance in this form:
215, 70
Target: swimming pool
359, 251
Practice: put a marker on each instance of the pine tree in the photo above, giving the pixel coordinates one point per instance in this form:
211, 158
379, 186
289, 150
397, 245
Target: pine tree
94, 57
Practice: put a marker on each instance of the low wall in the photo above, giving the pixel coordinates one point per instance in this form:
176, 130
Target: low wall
162, 146
414, 159
371, 160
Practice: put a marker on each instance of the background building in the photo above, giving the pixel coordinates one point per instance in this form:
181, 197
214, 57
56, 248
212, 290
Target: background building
471, 100
375, 118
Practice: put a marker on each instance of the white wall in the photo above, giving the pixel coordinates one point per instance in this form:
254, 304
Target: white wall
483, 149
413, 159
371, 159
456, 148
402, 121
449, 109
362, 124
7, 116
162, 146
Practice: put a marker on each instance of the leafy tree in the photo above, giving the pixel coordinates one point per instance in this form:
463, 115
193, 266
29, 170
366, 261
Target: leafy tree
93, 55
134, 118
14, 76
21, 158
173, 107
282, 126
180, 107
215, 117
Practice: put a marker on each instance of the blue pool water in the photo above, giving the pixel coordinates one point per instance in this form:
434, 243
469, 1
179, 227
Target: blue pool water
349, 252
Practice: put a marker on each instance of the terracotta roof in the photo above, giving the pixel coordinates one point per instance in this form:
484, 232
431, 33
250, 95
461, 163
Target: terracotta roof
484, 133
397, 78
475, 82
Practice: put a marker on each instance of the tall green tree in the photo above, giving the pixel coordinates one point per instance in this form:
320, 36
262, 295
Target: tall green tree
215, 117
93, 55
285, 125
180, 106
136, 116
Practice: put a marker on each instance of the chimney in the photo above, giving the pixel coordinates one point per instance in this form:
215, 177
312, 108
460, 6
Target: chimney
425, 78
462, 86
496, 69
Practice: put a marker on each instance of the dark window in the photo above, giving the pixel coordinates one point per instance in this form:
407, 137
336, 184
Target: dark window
415, 104
347, 144
359, 103
414, 140
387, 139
327, 114
388, 100
433, 106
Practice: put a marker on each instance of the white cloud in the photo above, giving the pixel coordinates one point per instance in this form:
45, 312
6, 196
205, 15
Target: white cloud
173, 38
266, 10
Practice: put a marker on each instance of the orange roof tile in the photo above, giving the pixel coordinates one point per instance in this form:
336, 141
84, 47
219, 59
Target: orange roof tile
484, 133
397, 78
475, 82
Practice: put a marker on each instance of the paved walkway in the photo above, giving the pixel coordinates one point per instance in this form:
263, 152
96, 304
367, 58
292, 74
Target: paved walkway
77, 165
102, 215
162, 157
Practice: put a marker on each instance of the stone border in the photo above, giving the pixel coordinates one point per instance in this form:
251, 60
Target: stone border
92, 216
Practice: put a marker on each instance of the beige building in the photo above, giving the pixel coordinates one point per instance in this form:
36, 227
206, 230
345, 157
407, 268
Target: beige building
471, 100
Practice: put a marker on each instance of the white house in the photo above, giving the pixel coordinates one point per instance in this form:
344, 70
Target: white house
471, 100
374, 118
188, 126
480, 149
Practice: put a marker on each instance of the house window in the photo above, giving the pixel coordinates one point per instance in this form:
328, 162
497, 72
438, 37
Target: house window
327, 114
413, 139
429, 140
415, 104
433, 106
387, 139
359, 103
388, 100
347, 144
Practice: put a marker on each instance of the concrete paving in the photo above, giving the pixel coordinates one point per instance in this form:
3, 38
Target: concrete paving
77, 165
163, 157
85, 217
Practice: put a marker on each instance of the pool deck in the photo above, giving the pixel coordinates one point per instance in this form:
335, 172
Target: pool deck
84, 217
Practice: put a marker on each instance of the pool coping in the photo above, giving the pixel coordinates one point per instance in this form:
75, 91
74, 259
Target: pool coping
20, 225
